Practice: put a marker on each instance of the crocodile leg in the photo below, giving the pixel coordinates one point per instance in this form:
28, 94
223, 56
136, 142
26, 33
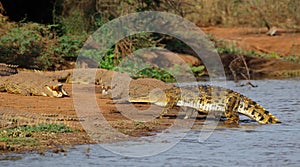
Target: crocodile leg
171, 103
167, 108
189, 112
230, 111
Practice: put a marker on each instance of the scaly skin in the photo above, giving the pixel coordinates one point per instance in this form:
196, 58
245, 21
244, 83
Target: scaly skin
41, 83
99, 77
206, 98
30, 83
12, 119
7, 69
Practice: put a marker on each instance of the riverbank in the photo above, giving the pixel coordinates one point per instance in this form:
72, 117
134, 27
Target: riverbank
259, 68
59, 141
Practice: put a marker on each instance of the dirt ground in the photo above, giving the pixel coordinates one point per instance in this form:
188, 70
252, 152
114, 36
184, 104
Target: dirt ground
285, 42
65, 106
284, 45
250, 39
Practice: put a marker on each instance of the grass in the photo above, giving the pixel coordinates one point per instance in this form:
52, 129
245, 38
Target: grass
24, 136
52, 128
20, 141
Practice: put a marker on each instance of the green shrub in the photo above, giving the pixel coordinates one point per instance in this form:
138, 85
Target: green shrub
29, 45
24, 135
53, 128
68, 46
21, 45
35, 46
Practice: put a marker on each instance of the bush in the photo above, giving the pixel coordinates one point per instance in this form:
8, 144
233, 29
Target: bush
68, 46
21, 45
35, 46
29, 46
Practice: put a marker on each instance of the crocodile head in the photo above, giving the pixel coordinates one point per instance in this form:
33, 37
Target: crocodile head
156, 96
55, 91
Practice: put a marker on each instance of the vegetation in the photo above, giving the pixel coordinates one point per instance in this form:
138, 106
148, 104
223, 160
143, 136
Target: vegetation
49, 47
34, 46
232, 13
230, 48
24, 136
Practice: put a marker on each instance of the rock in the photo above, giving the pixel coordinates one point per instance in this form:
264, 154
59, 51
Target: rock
165, 58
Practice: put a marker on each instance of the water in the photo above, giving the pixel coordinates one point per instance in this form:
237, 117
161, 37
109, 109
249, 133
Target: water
248, 145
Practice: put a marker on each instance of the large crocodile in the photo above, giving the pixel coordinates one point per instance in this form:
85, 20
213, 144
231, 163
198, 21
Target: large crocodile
11, 117
206, 98
30, 83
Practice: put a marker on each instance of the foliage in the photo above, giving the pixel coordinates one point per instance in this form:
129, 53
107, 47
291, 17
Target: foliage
217, 12
23, 141
109, 61
68, 46
83, 17
29, 45
36, 46
120, 49
74, 23
137, 41
139, 69
198, 70
160, 74
22, 44
52, 128
24, 135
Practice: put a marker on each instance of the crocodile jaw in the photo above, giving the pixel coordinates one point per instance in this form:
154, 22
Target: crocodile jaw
55, 91
152, 99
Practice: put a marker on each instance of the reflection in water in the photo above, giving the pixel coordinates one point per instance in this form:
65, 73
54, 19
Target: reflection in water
249, 144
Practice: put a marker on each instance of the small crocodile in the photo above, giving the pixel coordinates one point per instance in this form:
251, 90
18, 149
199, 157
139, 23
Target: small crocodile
205, 98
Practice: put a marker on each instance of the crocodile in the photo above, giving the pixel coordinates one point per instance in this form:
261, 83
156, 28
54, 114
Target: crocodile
50, 83
204, 99
29, 83
101, 78
11, 118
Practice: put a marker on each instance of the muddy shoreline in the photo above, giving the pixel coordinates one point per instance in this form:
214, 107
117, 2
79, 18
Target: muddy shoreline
59, 142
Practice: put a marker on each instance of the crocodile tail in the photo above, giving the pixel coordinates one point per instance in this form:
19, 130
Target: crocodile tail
8, 69
255, 111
